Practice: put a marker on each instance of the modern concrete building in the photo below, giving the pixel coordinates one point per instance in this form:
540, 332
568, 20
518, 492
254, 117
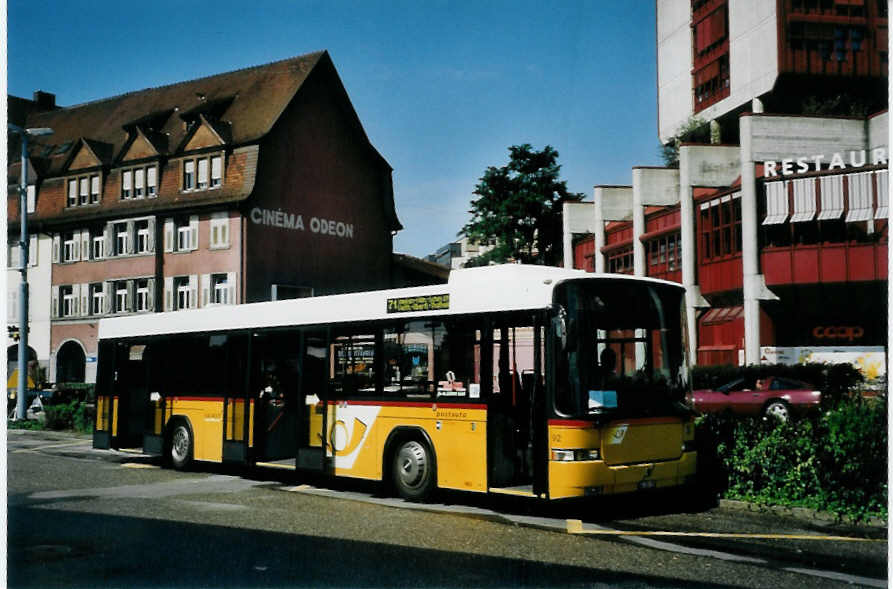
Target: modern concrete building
776, 233
245, 186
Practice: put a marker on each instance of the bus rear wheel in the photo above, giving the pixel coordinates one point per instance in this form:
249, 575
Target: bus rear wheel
414, 470
180, 446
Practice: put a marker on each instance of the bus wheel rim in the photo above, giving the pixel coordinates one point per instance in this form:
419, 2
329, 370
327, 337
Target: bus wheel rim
412, 465
180, 445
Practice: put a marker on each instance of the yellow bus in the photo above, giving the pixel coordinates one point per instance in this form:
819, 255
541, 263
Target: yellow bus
514, 379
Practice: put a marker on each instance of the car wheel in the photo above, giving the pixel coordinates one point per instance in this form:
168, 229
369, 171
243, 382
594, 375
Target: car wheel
777, 410
180, 446
413, 470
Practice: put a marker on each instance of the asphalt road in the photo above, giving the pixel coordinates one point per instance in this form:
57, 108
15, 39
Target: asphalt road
79, 517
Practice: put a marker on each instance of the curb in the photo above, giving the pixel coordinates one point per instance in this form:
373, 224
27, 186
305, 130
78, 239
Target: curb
801, 513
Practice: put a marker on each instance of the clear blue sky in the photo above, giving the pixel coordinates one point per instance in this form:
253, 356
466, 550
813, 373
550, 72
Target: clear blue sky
442, 88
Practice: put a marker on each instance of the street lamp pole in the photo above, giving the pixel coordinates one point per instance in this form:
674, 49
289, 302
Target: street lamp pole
23, 260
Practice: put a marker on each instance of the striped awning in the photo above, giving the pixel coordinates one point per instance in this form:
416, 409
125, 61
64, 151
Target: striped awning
832, 197
883, 195
860, 205
776, 203
718, 315
804, 200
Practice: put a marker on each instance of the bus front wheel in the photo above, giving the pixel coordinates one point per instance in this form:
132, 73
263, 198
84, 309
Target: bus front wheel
180, 446
414, 470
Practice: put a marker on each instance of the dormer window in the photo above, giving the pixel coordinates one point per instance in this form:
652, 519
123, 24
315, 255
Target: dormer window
84, 190
202, 173
139, 182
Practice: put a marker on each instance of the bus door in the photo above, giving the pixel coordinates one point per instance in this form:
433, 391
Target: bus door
238, 406
274, 383
313, 417
516, 424
132, 413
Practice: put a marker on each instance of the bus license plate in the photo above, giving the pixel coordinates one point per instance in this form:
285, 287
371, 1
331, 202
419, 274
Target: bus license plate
646, 484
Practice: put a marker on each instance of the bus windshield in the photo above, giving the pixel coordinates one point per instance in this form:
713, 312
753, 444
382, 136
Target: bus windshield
621, 348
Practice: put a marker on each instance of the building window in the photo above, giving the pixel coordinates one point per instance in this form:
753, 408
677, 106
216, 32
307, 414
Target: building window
98, 250
142, 295
68, 301
152, 181
720, 227
139, 182
97, 299
72, 193
84, 190
216, 171
122, 238
621, 261
202, 173
142, 237
184, 237
94, 189
121, 296
188, 174
70, 242
126, 184
182, 292
220, 289
219, 230
202, 183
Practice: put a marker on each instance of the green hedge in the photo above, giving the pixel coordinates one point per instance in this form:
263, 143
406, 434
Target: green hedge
74, 414
835, 462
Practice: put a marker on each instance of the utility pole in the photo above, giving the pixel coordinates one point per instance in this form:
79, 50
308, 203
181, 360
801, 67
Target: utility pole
23, 260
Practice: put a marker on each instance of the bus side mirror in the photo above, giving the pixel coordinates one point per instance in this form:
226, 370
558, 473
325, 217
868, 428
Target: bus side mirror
559, 326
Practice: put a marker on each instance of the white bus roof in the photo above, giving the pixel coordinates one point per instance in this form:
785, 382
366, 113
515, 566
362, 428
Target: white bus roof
507, 287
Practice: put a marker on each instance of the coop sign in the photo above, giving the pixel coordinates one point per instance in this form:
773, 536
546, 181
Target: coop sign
438, 302
295, 221
803, 164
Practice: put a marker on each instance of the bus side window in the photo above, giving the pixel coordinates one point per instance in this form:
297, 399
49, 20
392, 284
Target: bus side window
353, 358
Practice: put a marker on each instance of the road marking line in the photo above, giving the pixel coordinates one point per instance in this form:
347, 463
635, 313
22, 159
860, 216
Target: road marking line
575, 526
137, 465
299, 488
36, 448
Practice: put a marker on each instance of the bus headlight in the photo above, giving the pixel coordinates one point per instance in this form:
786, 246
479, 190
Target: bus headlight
575, 455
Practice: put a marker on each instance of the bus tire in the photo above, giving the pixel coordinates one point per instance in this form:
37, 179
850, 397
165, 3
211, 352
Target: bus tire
180, 444
414, 470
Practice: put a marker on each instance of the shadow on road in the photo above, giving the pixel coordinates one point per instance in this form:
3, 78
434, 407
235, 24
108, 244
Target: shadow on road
50, 548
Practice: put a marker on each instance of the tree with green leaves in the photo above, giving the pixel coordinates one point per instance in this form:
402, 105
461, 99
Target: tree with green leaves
519, 207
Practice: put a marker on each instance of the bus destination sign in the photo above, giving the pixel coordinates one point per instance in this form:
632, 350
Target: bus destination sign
438, 302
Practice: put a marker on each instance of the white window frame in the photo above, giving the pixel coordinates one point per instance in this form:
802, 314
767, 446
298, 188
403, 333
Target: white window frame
84, 183
97, 298
70, 247
139, 182
127, 184
216, 171
69, 301
184, 241
181, 293
72, 192
219, 231
98, 248
122, 238
142, 296
152, 181
95, 189
120, 297
188, 175
142, 237
203, 174
219, 289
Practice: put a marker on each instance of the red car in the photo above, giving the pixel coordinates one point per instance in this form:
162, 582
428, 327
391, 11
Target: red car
770, 397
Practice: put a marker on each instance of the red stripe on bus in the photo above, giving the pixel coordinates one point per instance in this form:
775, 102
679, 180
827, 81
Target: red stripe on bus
571, 423
411, 404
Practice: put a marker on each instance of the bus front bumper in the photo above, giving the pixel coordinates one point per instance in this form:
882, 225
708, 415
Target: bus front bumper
595, 477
